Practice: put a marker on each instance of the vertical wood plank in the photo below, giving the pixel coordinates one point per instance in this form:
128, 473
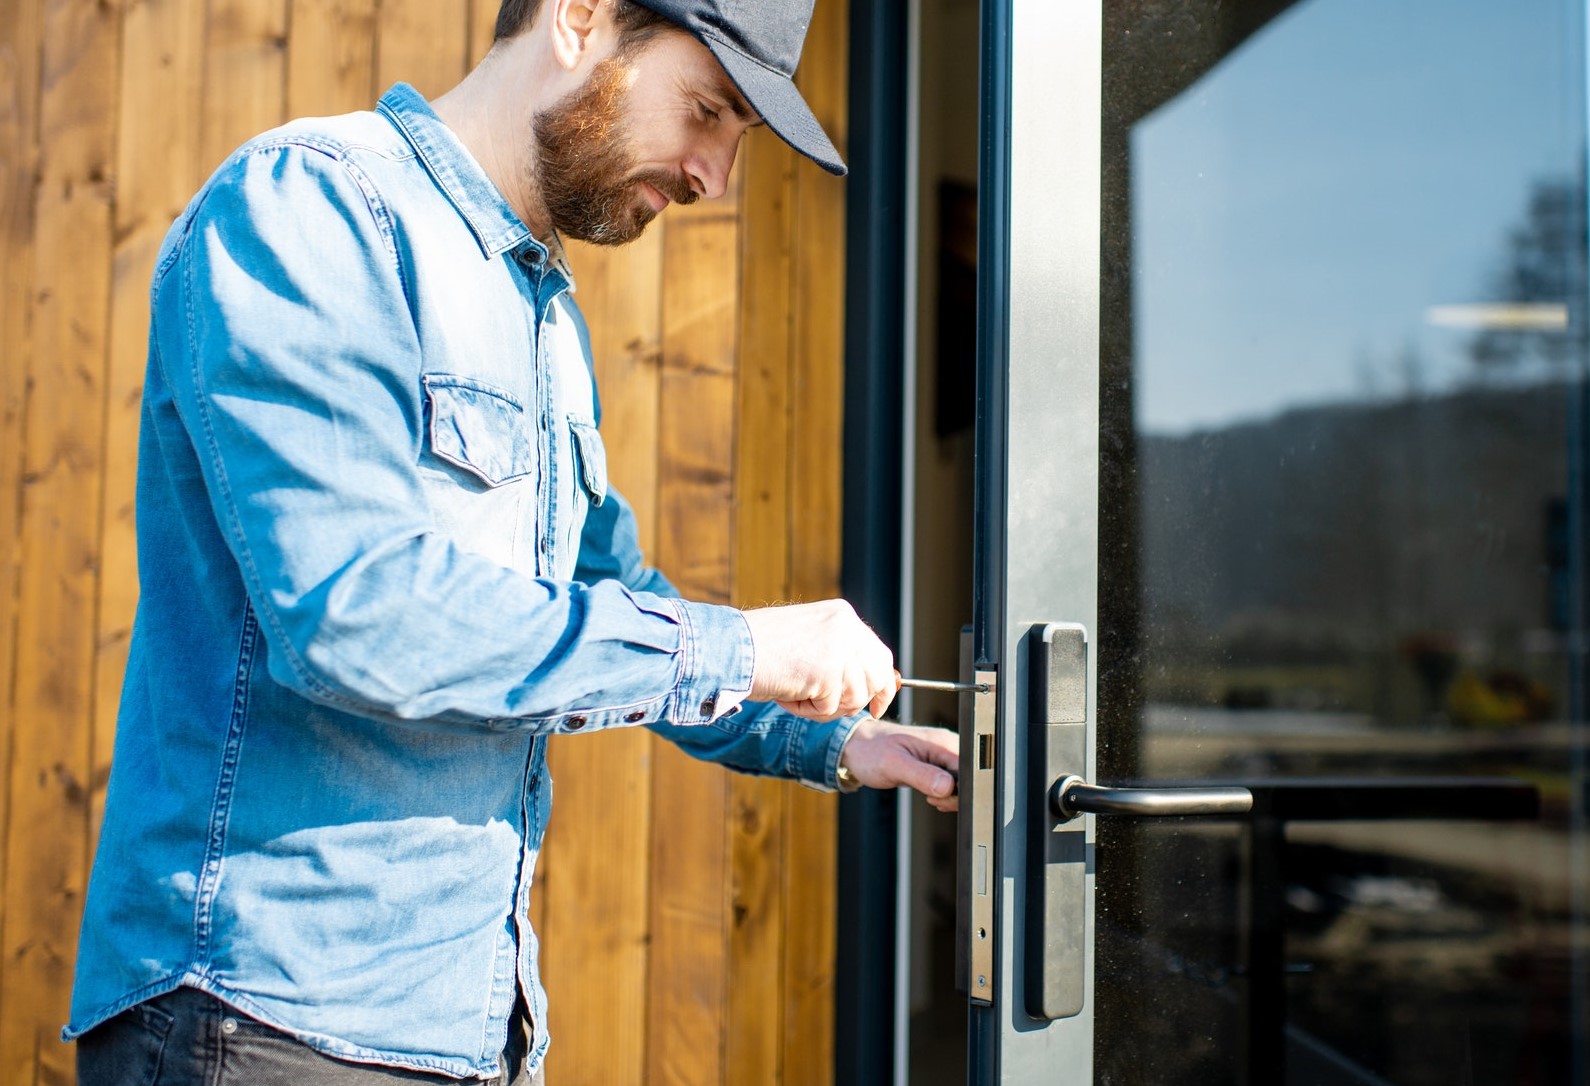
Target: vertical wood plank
423, 43
620, 293
811, 892
21, 33
763, 457
757, 828
688, 983
245, 75
482, 24
46, 854
331, 57
595, 919
817, 493
819, 306
597, 913
162, 47
696, 436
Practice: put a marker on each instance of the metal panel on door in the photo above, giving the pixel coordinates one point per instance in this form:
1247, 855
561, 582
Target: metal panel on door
1037, 411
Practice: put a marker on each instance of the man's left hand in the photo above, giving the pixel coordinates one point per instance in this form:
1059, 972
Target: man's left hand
885, 755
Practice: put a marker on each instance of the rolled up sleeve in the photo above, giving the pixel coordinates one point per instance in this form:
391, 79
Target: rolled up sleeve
757, 738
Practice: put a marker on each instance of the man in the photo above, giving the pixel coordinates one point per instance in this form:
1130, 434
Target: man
381, 563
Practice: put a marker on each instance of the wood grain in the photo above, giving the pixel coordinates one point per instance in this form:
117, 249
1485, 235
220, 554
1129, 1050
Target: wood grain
754, 1012
63, 469
424, 43
331, 57
597, 915
482, 23
598, 907
687, 915
158, 105
620, 293
817, 493
245, 75
696, 439
21, 30
819, 305
690, 863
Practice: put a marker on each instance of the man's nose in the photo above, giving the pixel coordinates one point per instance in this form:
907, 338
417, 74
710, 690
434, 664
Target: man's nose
709, 168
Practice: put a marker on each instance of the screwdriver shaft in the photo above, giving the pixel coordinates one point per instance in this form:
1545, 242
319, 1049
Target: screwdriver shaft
946, 687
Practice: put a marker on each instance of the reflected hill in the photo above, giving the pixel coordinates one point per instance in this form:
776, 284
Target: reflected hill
1361, 557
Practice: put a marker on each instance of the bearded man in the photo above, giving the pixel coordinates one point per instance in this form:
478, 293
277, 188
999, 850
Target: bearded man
381, 564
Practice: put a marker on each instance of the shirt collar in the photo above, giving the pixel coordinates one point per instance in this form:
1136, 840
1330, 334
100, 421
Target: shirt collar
497, 228
559, 259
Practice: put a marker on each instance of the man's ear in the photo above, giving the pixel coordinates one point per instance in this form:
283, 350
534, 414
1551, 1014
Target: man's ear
575, 29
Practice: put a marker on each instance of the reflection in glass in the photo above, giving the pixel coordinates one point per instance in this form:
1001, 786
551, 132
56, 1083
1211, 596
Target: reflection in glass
1345, 351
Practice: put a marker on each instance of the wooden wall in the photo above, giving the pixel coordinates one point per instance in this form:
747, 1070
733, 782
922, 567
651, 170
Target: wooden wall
688, 915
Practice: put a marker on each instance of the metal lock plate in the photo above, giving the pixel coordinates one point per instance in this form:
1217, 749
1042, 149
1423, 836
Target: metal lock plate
975, 874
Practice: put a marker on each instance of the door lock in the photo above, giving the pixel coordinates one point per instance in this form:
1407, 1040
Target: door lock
976, 874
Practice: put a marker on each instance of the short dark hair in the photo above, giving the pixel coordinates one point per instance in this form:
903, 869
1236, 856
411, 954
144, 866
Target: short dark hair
636, 24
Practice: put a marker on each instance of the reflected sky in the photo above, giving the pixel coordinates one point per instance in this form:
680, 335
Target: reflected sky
1298, 211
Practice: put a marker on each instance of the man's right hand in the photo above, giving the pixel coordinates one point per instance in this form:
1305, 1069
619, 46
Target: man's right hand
819, 660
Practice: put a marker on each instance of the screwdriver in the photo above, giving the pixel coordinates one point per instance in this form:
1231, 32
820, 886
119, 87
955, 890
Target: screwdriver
943, 685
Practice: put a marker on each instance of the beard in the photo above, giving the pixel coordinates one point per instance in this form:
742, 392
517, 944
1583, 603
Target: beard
585, 171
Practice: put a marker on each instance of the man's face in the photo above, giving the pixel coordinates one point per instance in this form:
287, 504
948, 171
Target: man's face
661, 125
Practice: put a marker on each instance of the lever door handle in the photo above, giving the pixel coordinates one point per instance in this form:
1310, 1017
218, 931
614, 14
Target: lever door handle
1072, 796
1059, 907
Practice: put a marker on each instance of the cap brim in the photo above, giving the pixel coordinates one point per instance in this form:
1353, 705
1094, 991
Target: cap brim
780, 104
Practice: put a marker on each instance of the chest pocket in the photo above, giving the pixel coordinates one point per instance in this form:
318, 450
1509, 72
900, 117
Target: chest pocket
479, 474
479, 428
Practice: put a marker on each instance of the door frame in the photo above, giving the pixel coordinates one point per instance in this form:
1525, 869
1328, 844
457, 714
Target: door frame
1041, 79
876, 225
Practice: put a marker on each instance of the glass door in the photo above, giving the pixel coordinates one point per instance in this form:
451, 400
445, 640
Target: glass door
1281, 402
1343, 363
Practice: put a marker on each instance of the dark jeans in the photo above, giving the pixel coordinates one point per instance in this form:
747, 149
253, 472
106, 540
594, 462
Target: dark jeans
188, 1037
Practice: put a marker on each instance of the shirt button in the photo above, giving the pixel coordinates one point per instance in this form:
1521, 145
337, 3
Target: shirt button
574, 723
635, 718
709, 706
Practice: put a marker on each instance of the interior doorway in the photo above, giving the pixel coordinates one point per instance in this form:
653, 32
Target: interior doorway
940, 388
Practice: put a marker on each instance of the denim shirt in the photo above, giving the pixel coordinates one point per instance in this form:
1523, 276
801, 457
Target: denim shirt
380, 564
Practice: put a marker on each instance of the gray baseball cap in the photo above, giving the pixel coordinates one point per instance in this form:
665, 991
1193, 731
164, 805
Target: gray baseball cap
758, 42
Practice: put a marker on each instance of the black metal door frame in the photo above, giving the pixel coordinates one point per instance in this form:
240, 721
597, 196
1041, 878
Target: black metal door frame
875, 247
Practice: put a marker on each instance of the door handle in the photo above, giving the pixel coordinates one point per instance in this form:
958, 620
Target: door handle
1058, 864
1071, 796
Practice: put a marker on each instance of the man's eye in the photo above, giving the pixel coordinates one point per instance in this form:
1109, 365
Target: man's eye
707, 112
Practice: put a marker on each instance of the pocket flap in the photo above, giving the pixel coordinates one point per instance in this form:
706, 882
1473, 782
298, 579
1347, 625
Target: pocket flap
593, 459
479, 428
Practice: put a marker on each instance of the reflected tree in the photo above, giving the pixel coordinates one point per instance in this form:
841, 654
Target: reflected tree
1545, 265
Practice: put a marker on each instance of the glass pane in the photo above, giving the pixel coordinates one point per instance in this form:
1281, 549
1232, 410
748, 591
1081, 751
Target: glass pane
1345, 353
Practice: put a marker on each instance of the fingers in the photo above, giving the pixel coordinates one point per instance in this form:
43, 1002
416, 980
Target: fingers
934, 781
885, 755
937, 752
880, 702
940, 746
819, 660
